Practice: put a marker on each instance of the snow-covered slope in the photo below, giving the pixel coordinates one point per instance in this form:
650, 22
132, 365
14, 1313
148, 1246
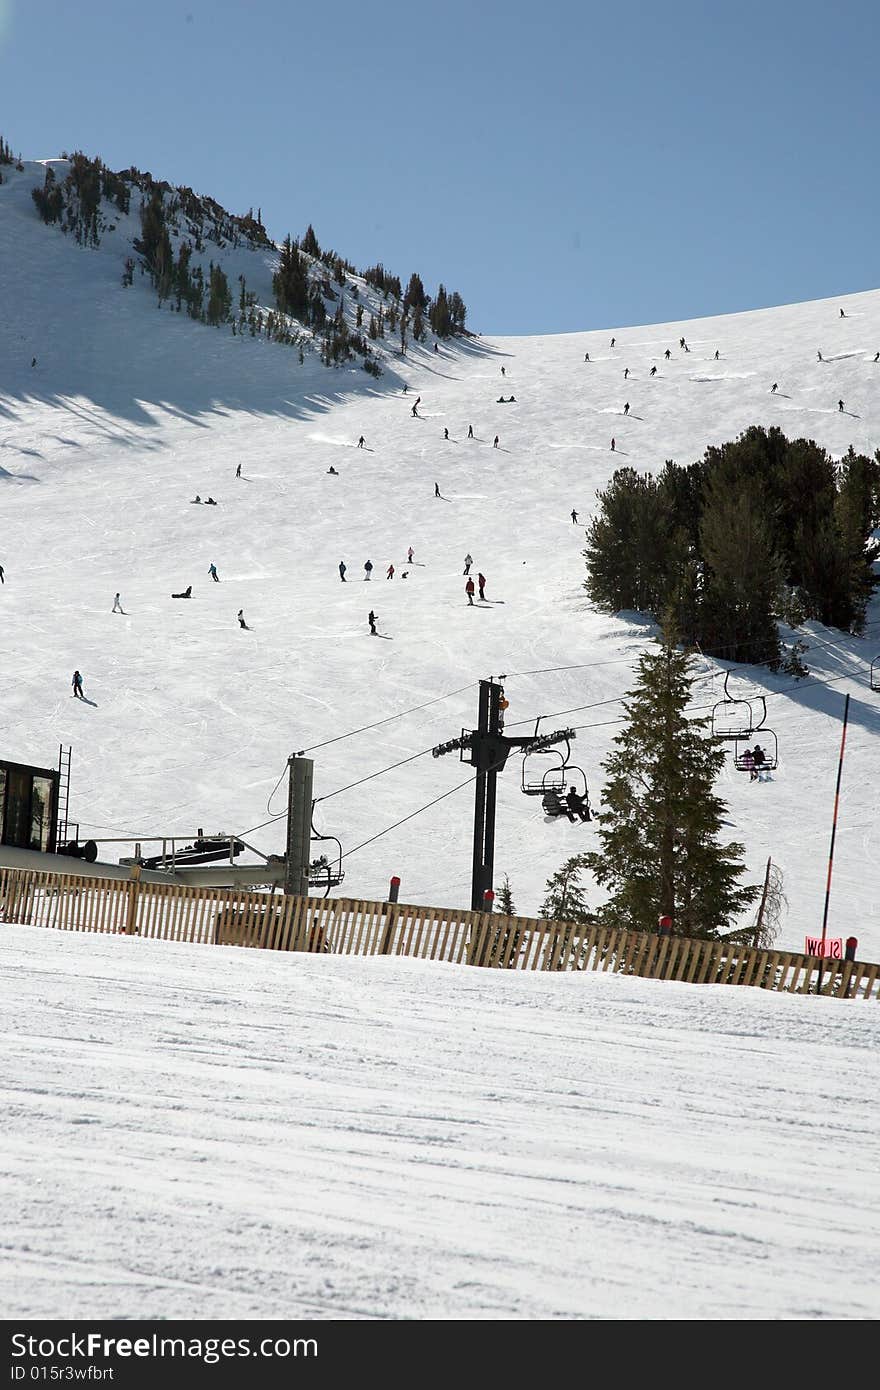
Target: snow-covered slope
130, 411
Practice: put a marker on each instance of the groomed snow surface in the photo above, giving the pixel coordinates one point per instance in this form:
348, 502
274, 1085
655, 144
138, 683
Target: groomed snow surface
213, 1133
210, 1133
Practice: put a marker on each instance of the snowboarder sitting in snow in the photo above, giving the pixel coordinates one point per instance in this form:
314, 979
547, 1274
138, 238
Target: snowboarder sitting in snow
187, 593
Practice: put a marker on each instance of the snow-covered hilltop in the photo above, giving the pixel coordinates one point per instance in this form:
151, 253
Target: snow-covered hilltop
132, 408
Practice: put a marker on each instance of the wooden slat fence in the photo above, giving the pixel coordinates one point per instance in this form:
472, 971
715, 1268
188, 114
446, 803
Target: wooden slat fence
351, 926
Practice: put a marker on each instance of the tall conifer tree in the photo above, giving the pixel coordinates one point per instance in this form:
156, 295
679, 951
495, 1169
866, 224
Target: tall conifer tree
564, 900
660, 822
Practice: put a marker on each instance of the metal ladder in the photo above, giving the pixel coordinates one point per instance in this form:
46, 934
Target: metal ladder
64, 754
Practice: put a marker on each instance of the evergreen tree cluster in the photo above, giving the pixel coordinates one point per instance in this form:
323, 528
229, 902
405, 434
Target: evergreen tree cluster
7, 157
759, 529
75, 202
295, 293
446, 313
302, 284
386, 284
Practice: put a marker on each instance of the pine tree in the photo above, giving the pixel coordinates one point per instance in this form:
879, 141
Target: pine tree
163, 265
49, 199
743, 573
565, 901
628, 551
290, 283
152, 227
457, 311
504, 901
219, 297
661, 819
415, 296
440, 316
309, 243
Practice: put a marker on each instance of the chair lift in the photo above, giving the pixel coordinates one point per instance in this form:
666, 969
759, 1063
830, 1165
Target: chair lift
732, 718
539, 775
326, 871
554, 803
536, 782
771, 752
875, 673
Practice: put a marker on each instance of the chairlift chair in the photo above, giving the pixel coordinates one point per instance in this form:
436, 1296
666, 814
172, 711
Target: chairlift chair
554, 803
770, 745
538, 777
732, 718
326, 871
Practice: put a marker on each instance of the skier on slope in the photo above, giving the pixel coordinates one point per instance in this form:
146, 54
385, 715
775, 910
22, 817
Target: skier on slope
481, 585
371, 619
626, 409
470, 431
389, 573
667, 354
653, 371
468, 561
342, 569
574, 516
469, 590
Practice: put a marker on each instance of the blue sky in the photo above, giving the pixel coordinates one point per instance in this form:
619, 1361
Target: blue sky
562, 165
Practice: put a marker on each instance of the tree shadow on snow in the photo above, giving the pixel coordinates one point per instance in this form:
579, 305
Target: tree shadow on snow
176, 366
